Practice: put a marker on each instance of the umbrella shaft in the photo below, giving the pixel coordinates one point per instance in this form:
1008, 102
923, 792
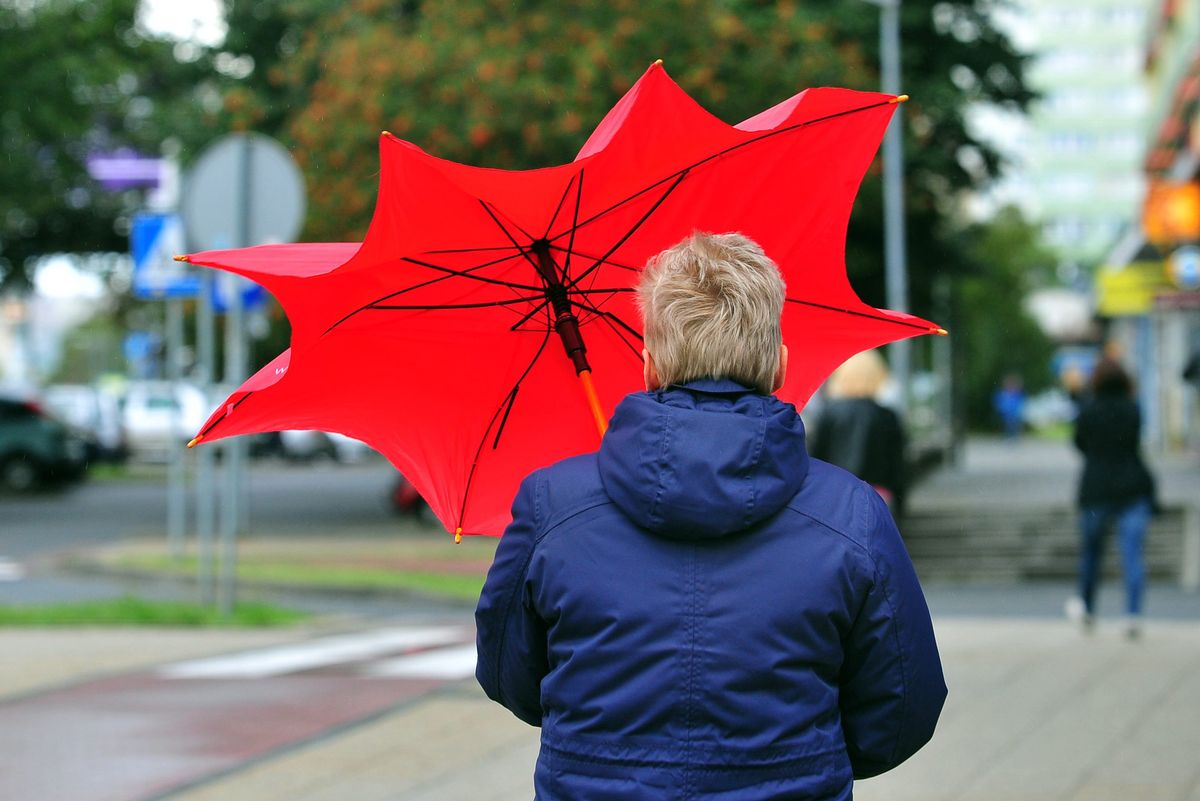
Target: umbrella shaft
565, 321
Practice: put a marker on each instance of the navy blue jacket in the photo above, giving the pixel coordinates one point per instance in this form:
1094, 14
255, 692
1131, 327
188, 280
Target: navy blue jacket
700, 610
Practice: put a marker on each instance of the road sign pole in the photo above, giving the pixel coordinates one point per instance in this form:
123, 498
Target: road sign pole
235, 373
206, 498
176, 473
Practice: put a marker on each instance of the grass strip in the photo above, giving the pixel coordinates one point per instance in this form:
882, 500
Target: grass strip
132, 611
446, 585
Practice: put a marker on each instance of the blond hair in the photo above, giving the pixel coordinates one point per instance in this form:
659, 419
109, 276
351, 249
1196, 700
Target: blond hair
711, 307
860, 376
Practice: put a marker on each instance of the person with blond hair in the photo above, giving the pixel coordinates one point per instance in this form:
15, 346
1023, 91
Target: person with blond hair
700, 609
856, 432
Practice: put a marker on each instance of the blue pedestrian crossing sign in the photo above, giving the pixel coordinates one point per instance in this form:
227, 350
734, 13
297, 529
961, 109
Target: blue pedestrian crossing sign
154, 240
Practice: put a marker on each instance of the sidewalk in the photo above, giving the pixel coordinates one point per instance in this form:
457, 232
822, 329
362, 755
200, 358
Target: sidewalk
1037, 712
994, 473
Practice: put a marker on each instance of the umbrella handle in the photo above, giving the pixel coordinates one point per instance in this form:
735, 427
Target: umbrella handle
589, 389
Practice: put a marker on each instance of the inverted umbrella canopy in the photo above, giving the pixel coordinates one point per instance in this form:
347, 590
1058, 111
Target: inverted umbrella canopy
451, 339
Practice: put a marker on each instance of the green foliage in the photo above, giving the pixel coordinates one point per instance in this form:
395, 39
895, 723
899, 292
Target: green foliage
80, 77
519, 85
994, 337
132, 611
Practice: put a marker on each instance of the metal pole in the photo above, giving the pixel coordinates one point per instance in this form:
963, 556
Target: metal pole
235, 372
206, 499
896, 268
176, 478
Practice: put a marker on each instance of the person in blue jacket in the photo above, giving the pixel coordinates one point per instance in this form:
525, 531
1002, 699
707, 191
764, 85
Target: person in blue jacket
699, 610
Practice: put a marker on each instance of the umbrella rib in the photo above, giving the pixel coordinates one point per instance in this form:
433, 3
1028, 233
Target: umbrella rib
574, 227
561, 201
718, 154
609, 262
467, 274
596, 264
487, 304
506, 407
596, 310
524, 251
526, 318
229, 411
856, 313
607, 318
414, 287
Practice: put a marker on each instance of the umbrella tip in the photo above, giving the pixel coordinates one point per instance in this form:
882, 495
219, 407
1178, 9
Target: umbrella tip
657, 62
899, 99
195, 441
941, 332
386, 133
184, 257
458, 535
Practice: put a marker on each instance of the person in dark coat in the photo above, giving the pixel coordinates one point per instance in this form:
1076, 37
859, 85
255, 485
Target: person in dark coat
1115, 488
701, 610
857, 433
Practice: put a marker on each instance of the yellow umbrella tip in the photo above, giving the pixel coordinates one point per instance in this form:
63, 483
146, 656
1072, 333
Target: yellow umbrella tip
941, 332
899, 99
195, 441
183, 257
658, 62
458, 535
386, 133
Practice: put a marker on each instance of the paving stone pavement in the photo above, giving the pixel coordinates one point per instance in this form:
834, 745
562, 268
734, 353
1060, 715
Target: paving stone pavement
1037, 711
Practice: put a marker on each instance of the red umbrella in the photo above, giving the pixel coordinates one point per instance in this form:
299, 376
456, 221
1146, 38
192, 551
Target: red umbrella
451, 339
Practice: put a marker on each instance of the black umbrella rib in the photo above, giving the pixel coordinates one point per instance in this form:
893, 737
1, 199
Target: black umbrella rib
441, 307
596, 264
856, 313
526, 318
574, 227
609, 262
561, 201
524, 251
609, 319
421, 285
717, 155
229, 411
450, 271
599, 312
504, 409
486, 304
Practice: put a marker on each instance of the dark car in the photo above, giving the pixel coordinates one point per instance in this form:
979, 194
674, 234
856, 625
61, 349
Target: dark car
35, 448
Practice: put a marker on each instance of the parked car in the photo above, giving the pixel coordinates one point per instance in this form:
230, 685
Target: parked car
94, 412
36, 449
154, 414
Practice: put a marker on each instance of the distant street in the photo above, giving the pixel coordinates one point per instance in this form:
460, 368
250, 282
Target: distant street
299, 500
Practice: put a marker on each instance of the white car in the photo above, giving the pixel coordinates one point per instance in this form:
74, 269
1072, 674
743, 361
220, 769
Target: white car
154, 415
94, 412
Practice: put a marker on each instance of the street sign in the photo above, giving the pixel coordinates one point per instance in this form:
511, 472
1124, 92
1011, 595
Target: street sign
154, 240
244, 190
124, 169
224, 285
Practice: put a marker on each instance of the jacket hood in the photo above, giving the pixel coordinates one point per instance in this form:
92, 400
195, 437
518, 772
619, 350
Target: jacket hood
702, 460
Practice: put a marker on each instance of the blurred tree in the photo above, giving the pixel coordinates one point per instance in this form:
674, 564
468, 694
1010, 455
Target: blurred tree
995, 335
518, 85
81, 77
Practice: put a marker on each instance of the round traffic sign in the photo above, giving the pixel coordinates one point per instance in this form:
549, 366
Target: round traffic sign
244, 190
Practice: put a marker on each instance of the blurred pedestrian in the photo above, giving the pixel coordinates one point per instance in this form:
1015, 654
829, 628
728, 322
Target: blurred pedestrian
1009, 403
1116, 489
857, 433
699, 609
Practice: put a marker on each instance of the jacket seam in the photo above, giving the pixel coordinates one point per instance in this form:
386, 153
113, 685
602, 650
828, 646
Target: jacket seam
699, 767
512, 595
834, 529
905, 696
